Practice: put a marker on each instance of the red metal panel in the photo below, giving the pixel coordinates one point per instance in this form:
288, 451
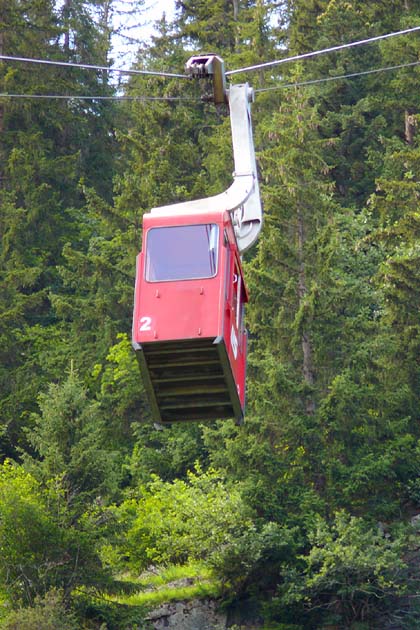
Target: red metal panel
178, 310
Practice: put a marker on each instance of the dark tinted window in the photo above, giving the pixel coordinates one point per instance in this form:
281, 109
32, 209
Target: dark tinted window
183, 252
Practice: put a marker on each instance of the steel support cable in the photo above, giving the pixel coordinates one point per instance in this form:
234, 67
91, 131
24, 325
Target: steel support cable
165, 74
76, 97
196, 100
191, 99
315, 53
84, 66
269, 64
338, 77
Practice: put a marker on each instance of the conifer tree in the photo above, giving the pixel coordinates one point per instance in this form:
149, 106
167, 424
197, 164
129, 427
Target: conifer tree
46, 148
68, 438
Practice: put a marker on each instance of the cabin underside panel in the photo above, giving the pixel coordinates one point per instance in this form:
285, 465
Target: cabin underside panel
189, 380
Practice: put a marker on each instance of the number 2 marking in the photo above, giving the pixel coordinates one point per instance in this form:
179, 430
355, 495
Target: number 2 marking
145, 324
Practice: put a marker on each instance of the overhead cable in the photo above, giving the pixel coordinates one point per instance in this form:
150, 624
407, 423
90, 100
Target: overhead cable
315, 53
191, 99
337, 77
84, 66
269, 64
76, 97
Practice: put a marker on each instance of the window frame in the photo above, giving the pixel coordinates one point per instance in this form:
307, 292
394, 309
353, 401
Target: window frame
186, 278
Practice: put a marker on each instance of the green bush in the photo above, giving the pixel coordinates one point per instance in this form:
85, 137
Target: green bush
256, 559
48, 613
30, 540
183, 520
352, 569
40, 548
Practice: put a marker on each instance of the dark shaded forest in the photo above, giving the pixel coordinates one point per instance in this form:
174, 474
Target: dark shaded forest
305, 517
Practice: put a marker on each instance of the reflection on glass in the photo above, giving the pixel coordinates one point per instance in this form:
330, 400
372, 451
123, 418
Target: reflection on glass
182, 252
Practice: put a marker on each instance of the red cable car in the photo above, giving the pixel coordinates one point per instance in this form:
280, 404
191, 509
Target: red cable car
188, 323
188, 326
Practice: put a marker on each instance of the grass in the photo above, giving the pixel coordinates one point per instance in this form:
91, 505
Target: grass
168, 594
192, 581
165, 575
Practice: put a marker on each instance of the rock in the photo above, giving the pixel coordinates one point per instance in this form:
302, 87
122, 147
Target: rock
415, 521
188, 615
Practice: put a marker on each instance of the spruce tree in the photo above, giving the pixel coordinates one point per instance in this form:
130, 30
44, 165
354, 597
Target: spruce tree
46, 147
68, 439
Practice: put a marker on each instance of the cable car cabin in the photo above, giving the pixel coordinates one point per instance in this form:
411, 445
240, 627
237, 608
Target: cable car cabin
188, 324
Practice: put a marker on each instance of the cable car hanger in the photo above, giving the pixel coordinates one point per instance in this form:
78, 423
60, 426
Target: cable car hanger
242, 198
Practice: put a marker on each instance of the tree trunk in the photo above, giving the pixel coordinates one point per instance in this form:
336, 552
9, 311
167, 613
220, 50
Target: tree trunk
410, 127
307, 367
66, 14
235, 9
107, 30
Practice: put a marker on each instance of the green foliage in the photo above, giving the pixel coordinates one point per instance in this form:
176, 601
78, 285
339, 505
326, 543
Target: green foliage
168, 453
156, 577
47, 613
256, 560
215, 24
121, 393
99, 613
183, 520
68, 436
41, 548
350, 568
29, 537
47, 146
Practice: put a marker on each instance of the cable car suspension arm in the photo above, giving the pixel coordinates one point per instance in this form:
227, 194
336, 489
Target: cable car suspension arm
242, 198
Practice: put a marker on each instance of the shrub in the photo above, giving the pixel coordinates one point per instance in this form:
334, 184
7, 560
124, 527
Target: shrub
40, 548
48, 613
351, 569
181, 521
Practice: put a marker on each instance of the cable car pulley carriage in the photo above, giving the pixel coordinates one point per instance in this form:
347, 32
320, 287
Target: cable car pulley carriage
188, 322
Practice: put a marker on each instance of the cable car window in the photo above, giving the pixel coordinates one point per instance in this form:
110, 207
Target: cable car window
182, 252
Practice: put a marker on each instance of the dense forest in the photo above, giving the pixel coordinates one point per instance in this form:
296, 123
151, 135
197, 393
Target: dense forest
305, 517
